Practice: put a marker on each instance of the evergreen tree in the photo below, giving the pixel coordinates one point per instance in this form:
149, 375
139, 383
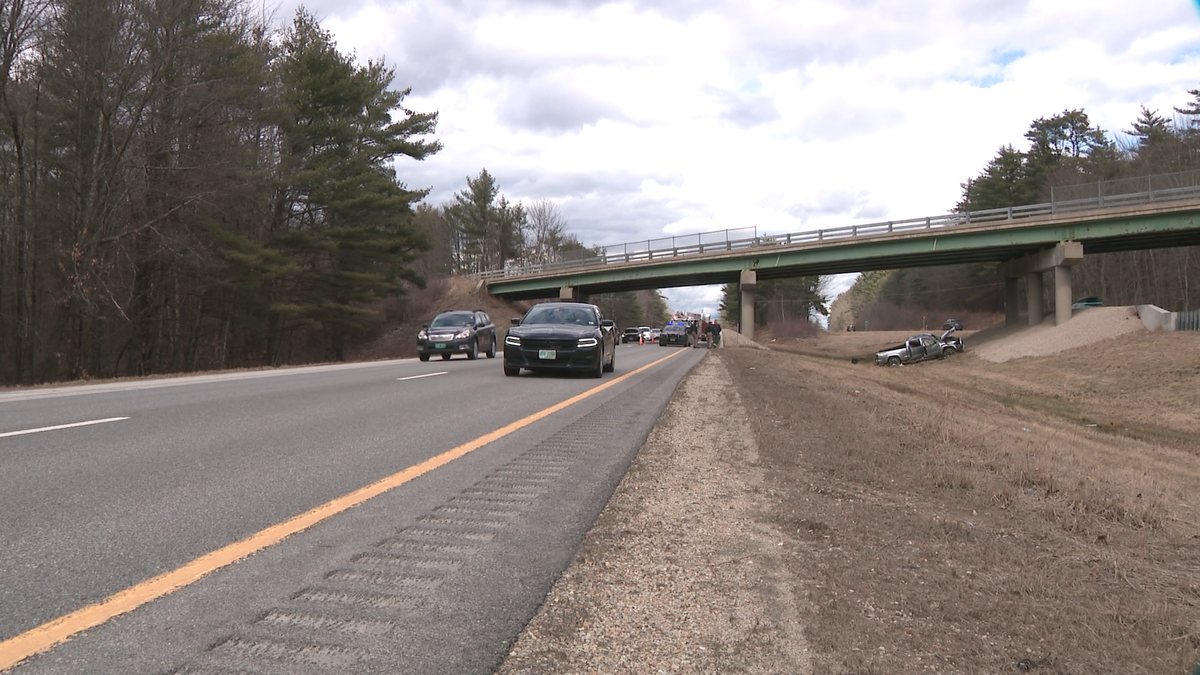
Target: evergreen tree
347, 221
1191, 110
1158, 147
1065, 150
1004, 182
489, 230
471, 217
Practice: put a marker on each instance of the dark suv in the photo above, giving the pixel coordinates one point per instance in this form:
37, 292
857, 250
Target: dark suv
631, 335
458, 331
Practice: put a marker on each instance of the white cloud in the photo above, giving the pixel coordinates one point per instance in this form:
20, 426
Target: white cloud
647, 119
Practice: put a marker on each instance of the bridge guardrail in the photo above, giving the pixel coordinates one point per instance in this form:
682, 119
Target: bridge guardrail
1160, 188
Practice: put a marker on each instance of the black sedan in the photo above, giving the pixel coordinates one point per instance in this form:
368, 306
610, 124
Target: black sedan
459, 331
564, 336
674, 334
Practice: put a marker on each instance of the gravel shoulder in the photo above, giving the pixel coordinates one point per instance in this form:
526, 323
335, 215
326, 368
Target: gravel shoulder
677, 575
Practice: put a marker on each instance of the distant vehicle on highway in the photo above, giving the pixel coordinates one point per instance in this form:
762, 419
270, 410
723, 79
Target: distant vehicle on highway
458, 331
674, 334
563, 336
1088, 301
956, 324
654, 333
631, 335
645, 333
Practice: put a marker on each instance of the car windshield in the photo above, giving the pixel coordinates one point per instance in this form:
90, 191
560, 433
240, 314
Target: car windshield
579, 316
673, 329
456, 320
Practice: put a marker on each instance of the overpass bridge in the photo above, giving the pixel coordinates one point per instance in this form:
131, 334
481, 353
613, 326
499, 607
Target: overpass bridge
1144, 213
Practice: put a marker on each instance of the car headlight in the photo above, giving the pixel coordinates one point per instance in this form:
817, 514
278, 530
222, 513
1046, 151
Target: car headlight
463, 334
512, 340
422, 335
588, 342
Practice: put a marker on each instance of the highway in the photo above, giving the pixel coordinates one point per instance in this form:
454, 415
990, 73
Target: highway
391, 517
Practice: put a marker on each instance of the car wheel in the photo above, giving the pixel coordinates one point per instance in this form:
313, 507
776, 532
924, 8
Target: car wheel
893, 360
445, 357
423, 357
491, 352
511, 371
474, 353
612, 362
598, 371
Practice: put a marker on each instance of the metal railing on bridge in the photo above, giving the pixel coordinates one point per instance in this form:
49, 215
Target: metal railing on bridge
1099, 195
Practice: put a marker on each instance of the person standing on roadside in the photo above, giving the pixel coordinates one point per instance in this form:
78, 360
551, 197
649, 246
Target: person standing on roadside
714, 338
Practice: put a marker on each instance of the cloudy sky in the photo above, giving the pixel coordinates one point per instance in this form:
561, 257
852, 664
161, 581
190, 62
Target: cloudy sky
643, 119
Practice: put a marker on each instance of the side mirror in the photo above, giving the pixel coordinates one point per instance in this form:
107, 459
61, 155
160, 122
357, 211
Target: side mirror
426, 326
608, 323
516, 320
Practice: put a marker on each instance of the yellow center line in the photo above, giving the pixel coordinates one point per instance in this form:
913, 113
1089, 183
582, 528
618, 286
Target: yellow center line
37, 640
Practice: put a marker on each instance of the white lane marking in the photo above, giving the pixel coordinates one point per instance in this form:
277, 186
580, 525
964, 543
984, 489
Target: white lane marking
417, 377
61, 426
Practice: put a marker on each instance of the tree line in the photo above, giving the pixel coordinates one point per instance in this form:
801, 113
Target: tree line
479, 230
1063, 150
183, 187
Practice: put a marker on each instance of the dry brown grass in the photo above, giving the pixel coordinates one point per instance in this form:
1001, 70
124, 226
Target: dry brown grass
982, 517
398, 337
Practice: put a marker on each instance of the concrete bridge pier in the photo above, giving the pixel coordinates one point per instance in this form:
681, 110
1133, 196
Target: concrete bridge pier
746, 285
1062, 292
1061, 259
568, 294
1012, 301
1033, 299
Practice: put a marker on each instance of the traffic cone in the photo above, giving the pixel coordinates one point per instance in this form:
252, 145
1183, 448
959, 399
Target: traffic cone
640, 337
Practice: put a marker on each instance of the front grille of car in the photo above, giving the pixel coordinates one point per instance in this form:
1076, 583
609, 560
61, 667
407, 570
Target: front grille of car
535, 343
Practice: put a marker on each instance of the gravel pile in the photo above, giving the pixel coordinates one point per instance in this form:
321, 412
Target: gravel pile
1085, 327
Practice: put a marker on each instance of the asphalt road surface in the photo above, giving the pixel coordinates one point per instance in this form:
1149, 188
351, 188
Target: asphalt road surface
393, 517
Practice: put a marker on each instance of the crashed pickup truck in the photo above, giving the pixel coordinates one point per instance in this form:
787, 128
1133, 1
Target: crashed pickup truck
920, 348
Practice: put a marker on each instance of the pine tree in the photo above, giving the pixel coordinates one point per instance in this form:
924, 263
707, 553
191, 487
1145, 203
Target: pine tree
346, 220
490, 230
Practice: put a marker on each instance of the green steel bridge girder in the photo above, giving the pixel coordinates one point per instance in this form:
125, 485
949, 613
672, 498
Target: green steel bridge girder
984, 242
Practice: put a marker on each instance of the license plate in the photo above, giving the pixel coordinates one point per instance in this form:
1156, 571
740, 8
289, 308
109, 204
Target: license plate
546, 354
439, 345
